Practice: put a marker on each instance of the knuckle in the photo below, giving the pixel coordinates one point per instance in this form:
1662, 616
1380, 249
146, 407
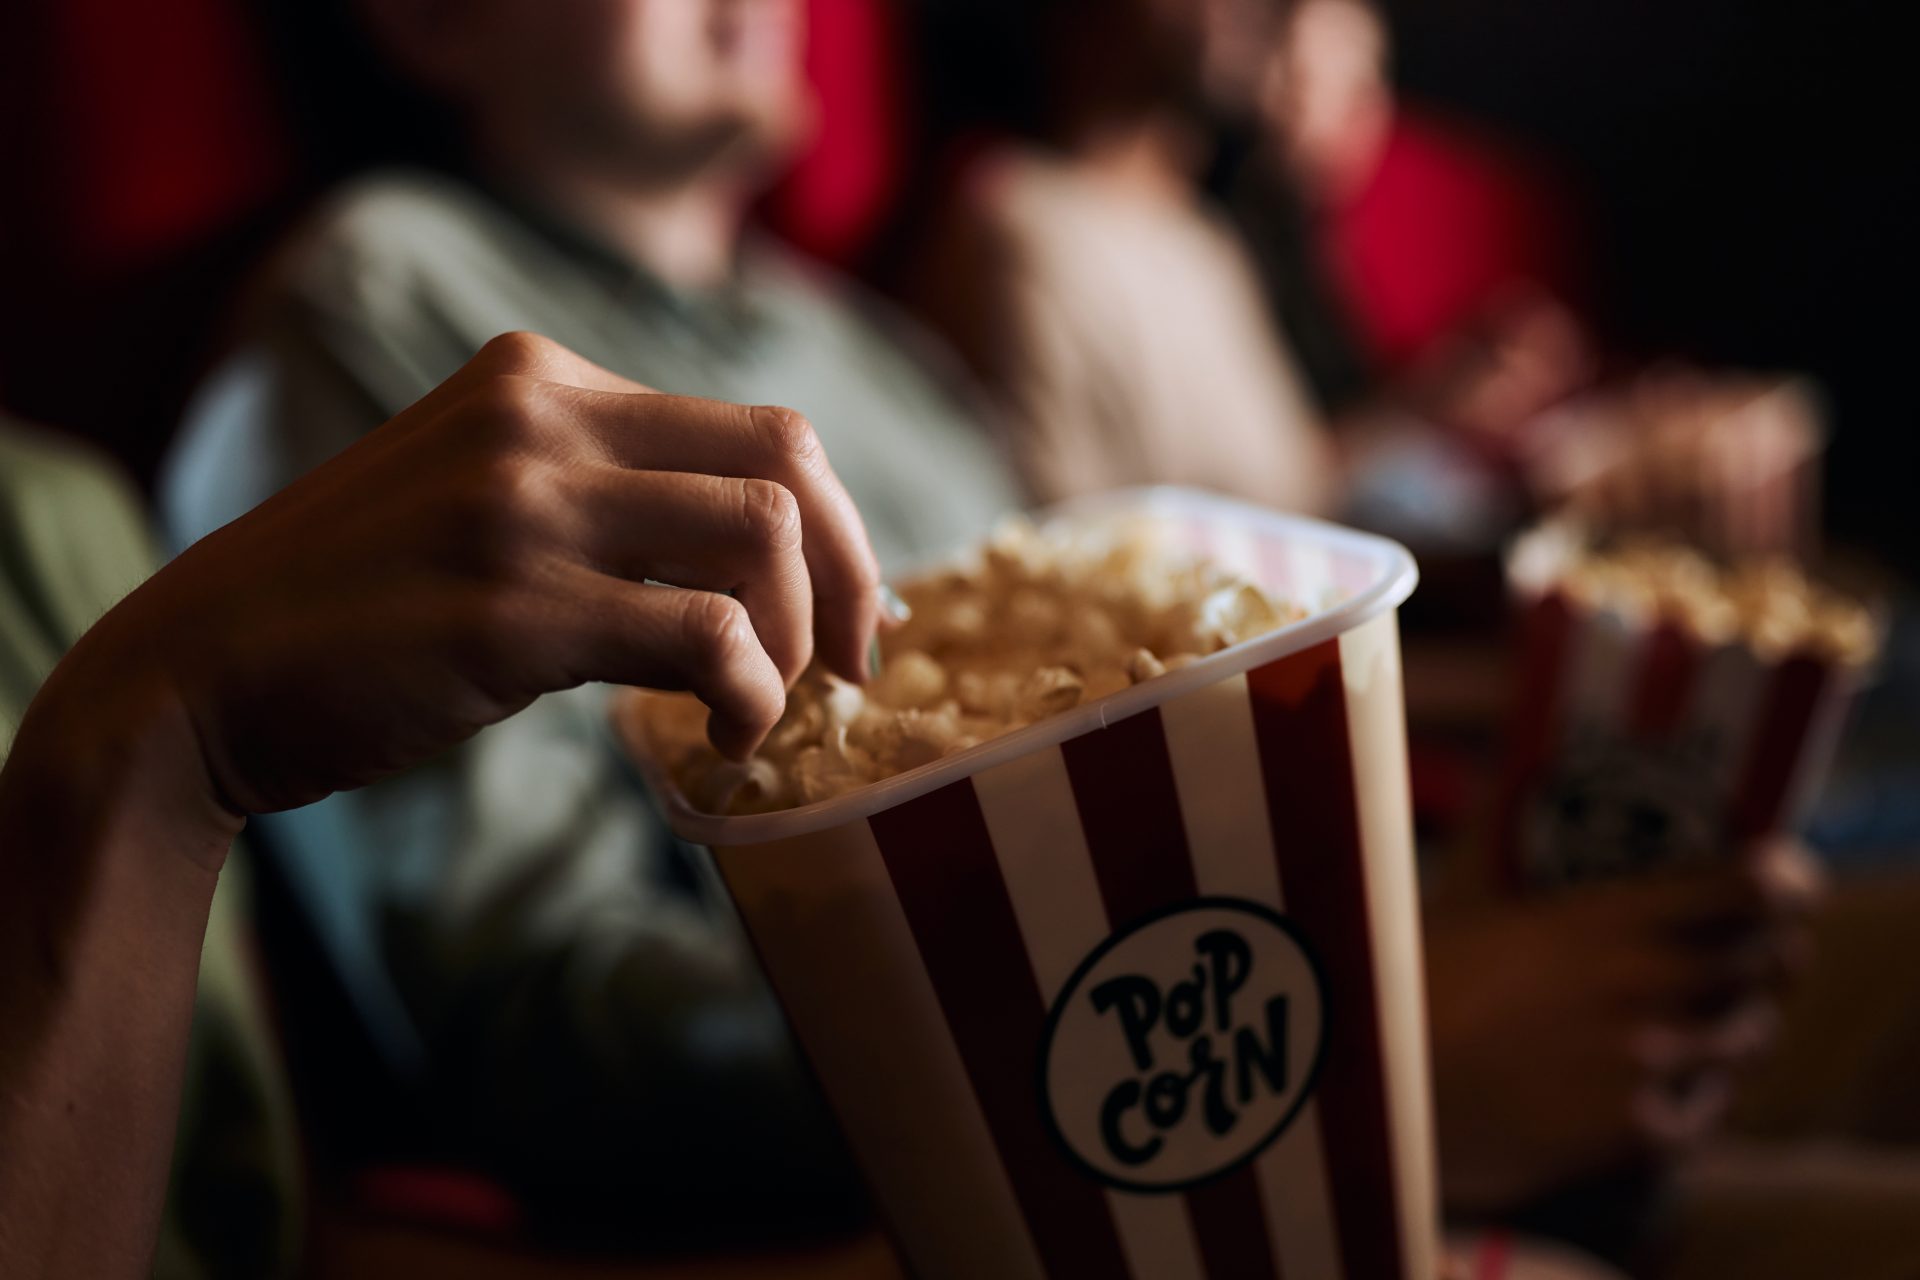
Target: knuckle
770, 515
718, 628
789, 436
516, 351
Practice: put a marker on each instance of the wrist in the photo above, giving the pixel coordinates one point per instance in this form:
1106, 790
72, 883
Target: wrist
109, 751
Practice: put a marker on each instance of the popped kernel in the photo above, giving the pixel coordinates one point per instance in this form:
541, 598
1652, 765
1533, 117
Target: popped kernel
1048, 692
1035, 624
1142, 665
911, 679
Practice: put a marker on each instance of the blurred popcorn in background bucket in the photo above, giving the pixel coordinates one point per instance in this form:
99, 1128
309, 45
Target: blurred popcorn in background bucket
1670, 708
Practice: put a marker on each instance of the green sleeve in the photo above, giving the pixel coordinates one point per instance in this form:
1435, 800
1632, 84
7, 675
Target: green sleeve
73, 541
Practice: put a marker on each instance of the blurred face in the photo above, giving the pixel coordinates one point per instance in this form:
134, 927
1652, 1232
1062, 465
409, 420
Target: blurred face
1329, 95
1239, 38
1207, 52
661, 86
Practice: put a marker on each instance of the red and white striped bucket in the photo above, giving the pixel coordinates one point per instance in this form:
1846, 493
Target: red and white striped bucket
1635, 745
1135, 991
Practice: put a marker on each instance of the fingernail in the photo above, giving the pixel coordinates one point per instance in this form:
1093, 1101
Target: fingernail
892, 605
873, 656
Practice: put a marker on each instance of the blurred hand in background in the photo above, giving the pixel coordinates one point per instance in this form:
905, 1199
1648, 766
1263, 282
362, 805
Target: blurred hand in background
1604, 1028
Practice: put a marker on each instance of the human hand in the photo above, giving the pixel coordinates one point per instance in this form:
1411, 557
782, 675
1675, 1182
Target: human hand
1727, 461
500, 539
1576, 1034
1491, 378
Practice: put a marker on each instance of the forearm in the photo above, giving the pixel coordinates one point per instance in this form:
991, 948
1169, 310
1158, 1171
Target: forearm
107, 870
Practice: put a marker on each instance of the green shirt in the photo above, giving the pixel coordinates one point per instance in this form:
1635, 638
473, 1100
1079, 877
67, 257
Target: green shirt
564, 984
73, 541
403, 276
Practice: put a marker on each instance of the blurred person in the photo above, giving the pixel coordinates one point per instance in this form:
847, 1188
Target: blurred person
1416, 264
1115, 313
1088, 282
1443, 264
552, 980
514, 532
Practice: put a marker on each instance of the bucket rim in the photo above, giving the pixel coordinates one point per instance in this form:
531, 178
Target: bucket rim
1394, 578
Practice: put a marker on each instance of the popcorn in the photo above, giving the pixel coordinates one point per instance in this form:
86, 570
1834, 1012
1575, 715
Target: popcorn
1671, 708
1049, 691
911, 679
1035, 625
725, 787
1769, 604
844, 702
1142, 665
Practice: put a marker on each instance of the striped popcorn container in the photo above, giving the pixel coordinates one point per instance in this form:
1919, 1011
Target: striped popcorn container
1135, 991
1636, 745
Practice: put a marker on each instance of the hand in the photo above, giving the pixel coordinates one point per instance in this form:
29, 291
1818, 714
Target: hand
500, 539
506, 536
1492, 377
1575, 1034
1725, 461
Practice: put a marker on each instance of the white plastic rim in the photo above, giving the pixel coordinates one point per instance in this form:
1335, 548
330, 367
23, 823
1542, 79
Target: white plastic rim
1392, 578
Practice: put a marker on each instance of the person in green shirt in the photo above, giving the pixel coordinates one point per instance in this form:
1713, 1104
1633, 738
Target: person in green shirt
548, 975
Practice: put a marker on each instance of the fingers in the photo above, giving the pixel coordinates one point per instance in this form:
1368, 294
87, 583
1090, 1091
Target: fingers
537, 389
736, 505
676, 433
1688, 1072
1733, 1042
661, 637
1692, 946
1670, 980
1672, 1119
710, 533
1669, 907
1779, 880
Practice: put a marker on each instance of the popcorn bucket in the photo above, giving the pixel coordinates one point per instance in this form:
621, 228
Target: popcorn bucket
1638, 745
1136, 990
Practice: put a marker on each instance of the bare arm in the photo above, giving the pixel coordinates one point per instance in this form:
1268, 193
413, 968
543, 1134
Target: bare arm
505, 537
108, 868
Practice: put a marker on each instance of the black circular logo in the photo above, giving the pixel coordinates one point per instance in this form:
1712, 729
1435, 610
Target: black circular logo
1184, 1045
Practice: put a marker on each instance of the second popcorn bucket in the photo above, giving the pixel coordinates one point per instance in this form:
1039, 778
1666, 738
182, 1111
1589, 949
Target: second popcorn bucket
1134, 991
1643, 739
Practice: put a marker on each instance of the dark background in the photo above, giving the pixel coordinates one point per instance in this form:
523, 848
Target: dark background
1745, 168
